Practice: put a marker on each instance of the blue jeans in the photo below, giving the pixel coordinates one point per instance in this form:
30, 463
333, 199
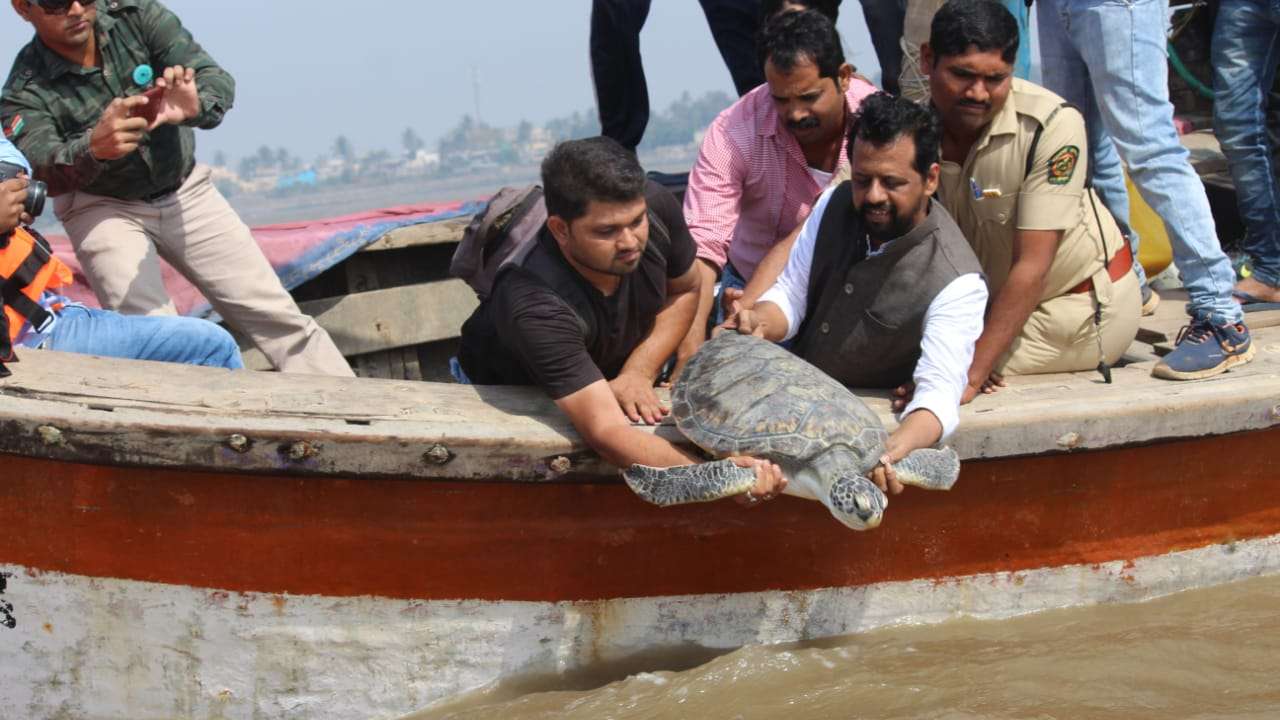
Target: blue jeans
1108, 58
728, 279
80, 329
1246, 50
1021, 13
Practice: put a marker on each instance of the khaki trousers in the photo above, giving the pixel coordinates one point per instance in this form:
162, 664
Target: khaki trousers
119, 243
1060, 335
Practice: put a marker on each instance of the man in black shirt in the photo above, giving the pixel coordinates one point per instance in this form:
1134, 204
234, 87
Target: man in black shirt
597, 307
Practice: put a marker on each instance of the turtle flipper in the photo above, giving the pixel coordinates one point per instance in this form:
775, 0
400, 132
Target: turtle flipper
682, 484
930, 469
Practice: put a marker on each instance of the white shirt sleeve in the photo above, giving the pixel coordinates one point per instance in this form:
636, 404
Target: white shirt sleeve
790, 292
952, 325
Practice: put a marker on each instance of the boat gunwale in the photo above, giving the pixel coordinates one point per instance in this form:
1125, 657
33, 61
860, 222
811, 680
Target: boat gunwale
454, 432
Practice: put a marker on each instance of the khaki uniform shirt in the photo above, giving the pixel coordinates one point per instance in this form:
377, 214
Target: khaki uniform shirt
992, 195
50, 106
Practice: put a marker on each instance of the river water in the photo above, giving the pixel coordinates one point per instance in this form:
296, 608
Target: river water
1211, 653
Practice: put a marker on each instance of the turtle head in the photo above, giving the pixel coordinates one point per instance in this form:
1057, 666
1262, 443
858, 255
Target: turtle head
857, 502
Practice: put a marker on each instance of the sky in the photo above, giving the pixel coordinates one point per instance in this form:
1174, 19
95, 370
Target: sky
307, 72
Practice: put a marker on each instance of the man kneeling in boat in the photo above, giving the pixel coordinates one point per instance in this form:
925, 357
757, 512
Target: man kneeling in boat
598, 305
880, 286
32, 316
1015, 178
765, 158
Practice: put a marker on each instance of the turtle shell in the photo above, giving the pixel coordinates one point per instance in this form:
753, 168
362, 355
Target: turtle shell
741, 395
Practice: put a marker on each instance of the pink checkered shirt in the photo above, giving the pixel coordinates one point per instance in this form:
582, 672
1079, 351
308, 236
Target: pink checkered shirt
751, 185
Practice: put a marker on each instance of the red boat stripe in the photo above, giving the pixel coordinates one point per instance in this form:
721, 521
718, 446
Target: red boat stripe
509, 541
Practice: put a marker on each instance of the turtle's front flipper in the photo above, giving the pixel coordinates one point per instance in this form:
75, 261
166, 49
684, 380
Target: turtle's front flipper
930, 469
689, 483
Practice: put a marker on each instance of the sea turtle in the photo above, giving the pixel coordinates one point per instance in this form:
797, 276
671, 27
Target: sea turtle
740, 395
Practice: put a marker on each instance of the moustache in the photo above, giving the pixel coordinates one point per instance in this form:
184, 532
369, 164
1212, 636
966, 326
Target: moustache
974, 104
883, 207
808, 123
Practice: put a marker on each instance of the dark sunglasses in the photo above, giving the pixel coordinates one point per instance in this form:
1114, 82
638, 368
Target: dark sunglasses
59, 7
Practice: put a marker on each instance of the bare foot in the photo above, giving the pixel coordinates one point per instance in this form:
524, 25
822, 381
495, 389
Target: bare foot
1258, 289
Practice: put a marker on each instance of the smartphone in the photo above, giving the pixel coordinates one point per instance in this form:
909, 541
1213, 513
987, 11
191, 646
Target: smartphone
149, 111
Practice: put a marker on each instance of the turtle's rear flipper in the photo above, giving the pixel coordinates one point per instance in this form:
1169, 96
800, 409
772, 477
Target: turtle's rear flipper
689, 483
930, 469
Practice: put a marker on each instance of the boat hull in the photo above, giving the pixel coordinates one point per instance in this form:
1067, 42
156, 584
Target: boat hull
166, 592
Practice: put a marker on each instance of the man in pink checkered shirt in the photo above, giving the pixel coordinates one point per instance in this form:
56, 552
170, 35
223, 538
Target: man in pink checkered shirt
765, 160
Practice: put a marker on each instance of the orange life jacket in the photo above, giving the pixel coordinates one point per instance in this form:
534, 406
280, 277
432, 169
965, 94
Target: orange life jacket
27, 269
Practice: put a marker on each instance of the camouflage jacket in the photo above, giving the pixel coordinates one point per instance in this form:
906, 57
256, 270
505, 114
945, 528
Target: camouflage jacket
49, 106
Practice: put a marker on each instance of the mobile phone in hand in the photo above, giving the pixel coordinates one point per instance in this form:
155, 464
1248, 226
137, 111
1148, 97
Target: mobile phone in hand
149, 111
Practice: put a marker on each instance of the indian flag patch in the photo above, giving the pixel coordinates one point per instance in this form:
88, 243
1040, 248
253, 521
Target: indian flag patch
14, 126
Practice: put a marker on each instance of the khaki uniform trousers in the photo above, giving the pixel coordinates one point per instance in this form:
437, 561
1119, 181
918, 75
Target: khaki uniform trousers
1060, 335
119, 243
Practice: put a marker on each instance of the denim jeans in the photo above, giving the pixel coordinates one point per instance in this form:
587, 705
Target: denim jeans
1246, 49
729, 279
1021, 13
89, 331
1108, 58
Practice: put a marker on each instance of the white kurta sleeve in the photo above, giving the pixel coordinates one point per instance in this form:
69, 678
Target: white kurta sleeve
952, 325
790, 292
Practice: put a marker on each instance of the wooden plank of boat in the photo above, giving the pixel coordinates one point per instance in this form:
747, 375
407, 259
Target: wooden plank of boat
117, 411
433, 233
394, 317
361, 323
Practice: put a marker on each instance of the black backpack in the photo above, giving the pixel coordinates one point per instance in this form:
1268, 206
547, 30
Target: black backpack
504, 232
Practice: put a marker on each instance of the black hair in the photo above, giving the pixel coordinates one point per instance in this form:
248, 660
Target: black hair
803, 36
577, 172
883, 118
770, 8
983, 24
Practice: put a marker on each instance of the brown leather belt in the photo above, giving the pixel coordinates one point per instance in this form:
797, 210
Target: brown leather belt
1121, 263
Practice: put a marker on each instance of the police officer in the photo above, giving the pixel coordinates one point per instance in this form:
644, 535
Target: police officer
1014, 177
122, 168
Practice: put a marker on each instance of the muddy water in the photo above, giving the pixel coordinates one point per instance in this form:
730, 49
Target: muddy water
1201, 654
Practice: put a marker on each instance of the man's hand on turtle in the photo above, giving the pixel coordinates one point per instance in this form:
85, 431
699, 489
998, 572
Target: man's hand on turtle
731, 301
885, 477
117, 134
770, 481
180, 101
637, 398
745, 321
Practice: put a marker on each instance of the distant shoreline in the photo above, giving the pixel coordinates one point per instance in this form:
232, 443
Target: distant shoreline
334, 200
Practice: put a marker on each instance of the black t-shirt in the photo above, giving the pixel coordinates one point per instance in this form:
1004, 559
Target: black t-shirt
528, 333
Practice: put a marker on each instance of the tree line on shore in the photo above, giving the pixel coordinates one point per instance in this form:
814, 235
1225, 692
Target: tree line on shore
470, 146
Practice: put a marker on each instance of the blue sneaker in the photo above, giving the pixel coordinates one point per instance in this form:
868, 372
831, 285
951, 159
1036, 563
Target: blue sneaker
1204, 350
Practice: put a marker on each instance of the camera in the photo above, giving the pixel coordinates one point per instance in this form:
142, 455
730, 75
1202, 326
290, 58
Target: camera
36, 190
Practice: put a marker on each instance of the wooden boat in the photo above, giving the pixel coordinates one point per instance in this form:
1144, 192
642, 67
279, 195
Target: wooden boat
186, 542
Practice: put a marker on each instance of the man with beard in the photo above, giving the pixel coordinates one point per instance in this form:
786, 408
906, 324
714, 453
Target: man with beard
766, 159
1015, 178
597, 306
880, 287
